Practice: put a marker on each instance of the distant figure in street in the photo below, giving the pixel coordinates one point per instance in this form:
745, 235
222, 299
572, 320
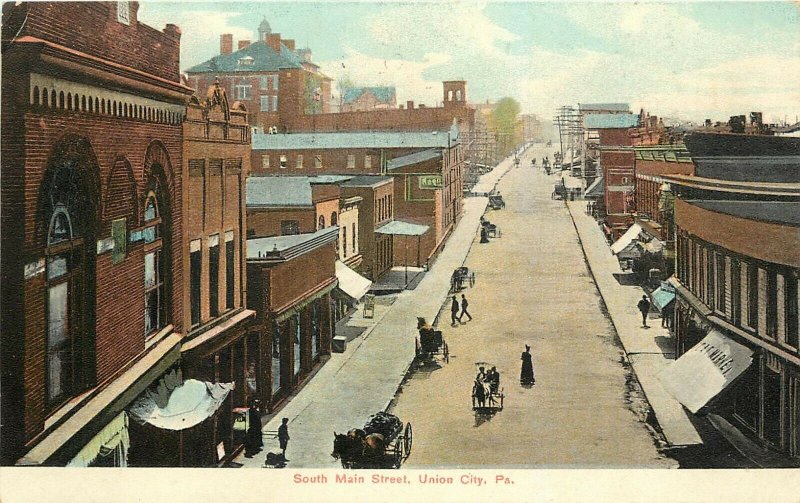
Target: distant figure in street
493, 378
464, 305
484, 235
253, 442
454, 311
526, 374
644, 308
283, 435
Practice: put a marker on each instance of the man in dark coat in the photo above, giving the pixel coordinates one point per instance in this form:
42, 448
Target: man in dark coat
464, 305
283, 435
644, 308
526, 374
454, 311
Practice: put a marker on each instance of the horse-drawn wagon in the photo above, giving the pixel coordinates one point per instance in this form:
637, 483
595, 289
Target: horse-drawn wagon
384, 442
461, 276
430, 342
487, 395
496, 202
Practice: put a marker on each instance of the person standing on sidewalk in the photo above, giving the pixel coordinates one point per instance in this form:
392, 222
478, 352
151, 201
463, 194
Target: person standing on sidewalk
283, 436
644, 308
454, 312
464, 305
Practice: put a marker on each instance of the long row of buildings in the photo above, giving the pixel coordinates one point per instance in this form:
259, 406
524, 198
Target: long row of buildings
168, 258
715, 212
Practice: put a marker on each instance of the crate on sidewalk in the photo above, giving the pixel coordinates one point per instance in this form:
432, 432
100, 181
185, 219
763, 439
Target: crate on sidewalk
369, 306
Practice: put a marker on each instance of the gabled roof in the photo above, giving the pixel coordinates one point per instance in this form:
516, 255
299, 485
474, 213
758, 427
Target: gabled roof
377, 139
278, 191
382, 94
280, 248
415, 158
264, 60
610, 121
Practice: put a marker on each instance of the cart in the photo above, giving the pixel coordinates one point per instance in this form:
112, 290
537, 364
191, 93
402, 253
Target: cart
459, 277
430, 342
384, 442
487, 395
496, 202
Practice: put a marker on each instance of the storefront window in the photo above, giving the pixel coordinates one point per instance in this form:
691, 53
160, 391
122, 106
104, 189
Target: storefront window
315, 328
276, 359
745, 400
297, 337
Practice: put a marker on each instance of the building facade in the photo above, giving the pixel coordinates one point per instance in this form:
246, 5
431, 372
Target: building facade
93, 226
730, 285
376, 209
290, 280
359, 99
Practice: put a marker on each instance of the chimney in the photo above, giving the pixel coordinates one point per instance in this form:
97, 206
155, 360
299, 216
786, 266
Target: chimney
274, 42
226, 43
243, 44
289, 43
410, 105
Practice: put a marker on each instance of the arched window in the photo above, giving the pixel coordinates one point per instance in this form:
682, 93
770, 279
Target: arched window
321, 222
334, 218
96, 105
449, 95
65, 297
458, 95
69, 101
45, 97
83, 103
35, 100
154, 296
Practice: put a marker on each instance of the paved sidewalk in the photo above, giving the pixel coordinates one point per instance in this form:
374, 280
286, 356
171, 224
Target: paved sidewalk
355, 384
649, 350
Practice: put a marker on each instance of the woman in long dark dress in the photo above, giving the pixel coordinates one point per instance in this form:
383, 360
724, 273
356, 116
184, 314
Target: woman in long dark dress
526, 374
254, 442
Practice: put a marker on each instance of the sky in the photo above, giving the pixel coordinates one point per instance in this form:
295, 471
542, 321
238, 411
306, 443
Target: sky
680, 60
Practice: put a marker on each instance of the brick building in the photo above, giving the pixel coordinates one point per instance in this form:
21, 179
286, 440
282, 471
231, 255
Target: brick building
275, 82
359, 99
617, 166
92, 226
737, 287
377, 209
290, 280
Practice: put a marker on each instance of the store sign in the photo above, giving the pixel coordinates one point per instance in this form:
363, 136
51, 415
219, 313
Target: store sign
431, 182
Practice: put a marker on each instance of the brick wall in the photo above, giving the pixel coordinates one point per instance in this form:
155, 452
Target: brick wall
93, 28
292, 280
264, 222
416, 119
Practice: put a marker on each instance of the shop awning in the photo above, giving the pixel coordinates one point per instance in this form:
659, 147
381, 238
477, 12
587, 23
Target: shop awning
663, 295
350, 282
705, 370
626, 239
653, 246
400, 228
595, 189
113, 437
178, 406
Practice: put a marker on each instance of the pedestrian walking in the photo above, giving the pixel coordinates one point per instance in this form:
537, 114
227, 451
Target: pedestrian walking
254, 442
283, 436
644, 308
464, 305
454, 311
526, 374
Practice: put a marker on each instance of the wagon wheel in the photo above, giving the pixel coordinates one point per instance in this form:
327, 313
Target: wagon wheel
417, 347
398, 452
472, 280
408, 439
502, 396
446, 351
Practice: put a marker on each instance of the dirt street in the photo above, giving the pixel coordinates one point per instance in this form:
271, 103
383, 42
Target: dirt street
533, 287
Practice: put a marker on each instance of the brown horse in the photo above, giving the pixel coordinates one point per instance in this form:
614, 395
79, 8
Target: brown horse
356, 448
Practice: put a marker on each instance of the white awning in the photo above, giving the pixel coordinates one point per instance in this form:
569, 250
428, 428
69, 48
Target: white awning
400, 228
350, 282
176, 406
112, 438
705, 370
626, 239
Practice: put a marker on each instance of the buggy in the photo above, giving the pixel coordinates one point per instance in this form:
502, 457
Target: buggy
383, 442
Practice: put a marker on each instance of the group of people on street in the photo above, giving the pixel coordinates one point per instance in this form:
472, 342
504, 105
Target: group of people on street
254, 441
455, 317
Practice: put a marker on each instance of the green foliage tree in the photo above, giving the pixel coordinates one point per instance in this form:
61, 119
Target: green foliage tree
505, 122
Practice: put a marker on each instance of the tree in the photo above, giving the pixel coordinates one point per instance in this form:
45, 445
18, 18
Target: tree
505, 122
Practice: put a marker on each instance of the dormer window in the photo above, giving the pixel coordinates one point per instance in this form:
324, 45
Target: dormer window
124, 12
246, 61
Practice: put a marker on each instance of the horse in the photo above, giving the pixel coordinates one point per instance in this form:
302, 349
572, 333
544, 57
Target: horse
356, 446
479, 394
